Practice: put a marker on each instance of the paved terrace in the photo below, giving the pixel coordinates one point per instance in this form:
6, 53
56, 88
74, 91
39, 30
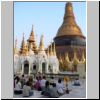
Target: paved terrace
76, 92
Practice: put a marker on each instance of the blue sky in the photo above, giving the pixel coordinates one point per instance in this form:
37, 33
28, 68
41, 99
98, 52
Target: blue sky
46, 18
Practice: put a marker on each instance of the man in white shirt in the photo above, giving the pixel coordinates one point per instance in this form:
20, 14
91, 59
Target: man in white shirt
42, 83
18, 86
60, 87
27, 90
18, 89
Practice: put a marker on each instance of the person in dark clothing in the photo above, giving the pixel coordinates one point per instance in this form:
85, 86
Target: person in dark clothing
46, 90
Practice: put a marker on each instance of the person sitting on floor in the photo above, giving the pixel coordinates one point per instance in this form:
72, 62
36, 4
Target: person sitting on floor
37, 84
31, 82
61, 87
51, 80
66, 80
23, 81
26, 78
46, 89
42, 82
18, 89
27, 90
53, 91
76, 82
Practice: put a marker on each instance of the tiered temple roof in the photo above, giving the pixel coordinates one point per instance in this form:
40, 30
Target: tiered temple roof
32, 42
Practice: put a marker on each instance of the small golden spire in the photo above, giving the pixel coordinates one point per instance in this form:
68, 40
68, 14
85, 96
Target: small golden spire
83, 58
27, 52
67, 58
32, 41
41, 47
15, 49
60, 62
23, 46
51, 52
75, 59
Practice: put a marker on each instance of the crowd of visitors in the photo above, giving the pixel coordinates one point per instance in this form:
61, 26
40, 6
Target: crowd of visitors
26, 85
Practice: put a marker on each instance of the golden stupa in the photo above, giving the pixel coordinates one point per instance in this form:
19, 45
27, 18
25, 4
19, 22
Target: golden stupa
69, 25
69, 36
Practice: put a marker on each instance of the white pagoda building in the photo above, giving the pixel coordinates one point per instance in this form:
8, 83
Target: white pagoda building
30, 59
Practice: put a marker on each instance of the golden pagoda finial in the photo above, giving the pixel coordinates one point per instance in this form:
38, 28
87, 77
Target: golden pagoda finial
69, 6
23, 35
32, 27
41, 47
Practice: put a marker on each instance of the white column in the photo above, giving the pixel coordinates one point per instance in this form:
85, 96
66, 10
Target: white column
40, 67
30, 67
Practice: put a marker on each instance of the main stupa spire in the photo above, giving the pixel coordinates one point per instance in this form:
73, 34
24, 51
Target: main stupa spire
69, 26
68, 11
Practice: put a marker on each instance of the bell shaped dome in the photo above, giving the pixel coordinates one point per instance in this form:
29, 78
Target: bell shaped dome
69, 26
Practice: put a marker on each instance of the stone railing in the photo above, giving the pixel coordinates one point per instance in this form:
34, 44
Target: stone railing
71, 76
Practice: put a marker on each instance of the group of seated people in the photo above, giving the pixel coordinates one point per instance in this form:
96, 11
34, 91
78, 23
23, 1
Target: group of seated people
23, 86
48, 87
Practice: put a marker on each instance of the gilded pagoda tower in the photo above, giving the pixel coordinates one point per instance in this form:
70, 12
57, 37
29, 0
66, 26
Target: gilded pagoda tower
31, 41
69, 37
